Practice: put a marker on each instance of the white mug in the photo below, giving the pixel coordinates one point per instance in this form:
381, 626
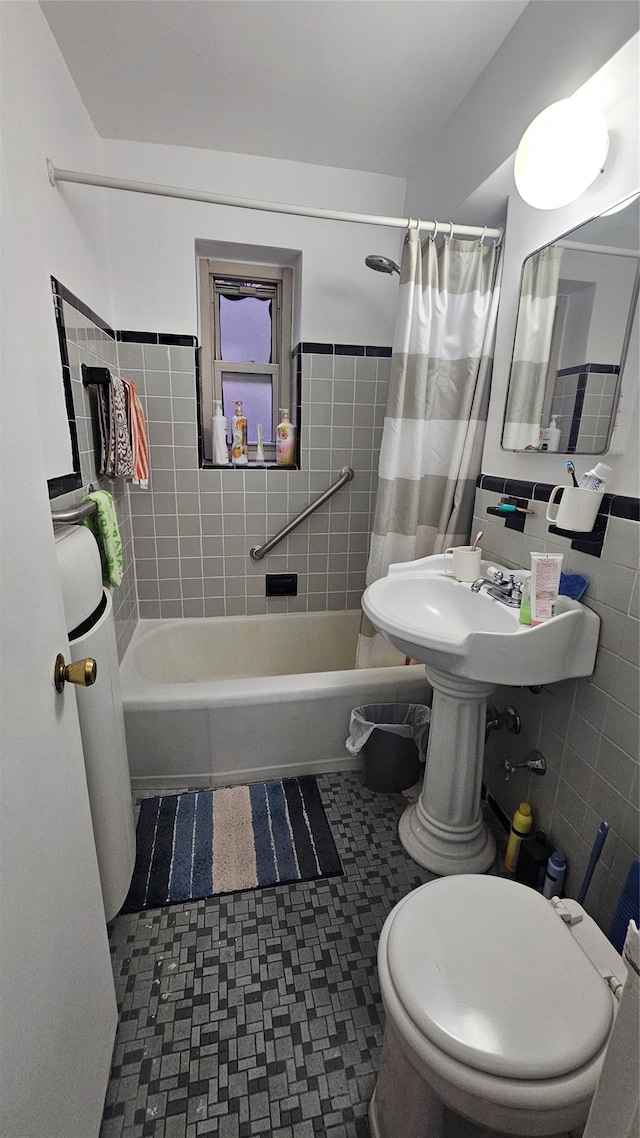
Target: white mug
578, 509
465, 562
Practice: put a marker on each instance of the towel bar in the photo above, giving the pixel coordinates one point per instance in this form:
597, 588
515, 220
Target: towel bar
73, 514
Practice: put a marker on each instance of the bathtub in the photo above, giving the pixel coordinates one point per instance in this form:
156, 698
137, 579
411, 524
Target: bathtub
239, 699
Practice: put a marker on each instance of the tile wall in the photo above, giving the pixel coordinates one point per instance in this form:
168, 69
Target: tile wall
587, 729
91, 343
583, 401
192, 530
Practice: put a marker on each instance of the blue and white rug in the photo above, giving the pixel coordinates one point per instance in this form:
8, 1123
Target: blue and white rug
198, 843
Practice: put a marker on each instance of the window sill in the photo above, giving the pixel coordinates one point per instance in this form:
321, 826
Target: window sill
208, 465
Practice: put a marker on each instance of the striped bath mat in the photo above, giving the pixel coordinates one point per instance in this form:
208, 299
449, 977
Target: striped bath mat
194, 844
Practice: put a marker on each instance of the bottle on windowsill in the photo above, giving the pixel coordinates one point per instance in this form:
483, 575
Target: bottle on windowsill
239, 449
285, 440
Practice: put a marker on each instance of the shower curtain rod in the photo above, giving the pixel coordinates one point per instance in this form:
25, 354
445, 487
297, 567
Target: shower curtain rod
584, 247
57, 175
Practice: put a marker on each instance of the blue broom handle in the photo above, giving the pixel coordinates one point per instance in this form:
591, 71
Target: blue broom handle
601, 837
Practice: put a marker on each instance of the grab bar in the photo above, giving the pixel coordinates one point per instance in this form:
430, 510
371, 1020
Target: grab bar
257, 552
73, 514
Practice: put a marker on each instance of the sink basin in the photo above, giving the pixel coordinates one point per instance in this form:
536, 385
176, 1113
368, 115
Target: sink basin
435, 619
469, 642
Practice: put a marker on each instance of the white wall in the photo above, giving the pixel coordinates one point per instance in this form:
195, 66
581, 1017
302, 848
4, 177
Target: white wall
60, 232
551, 50
151, 239
615, 88
613, 278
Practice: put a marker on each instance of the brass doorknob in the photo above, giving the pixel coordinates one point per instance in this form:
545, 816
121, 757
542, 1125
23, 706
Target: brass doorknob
83, 672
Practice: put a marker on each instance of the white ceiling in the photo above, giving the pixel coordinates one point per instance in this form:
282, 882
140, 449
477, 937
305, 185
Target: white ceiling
358, 84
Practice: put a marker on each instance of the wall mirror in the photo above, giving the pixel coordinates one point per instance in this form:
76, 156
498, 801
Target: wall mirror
576, 307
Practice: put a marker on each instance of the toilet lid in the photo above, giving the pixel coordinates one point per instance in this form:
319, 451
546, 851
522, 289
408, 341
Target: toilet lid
491, 975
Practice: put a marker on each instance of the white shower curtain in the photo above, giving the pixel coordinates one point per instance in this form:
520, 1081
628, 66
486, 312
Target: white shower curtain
437, 409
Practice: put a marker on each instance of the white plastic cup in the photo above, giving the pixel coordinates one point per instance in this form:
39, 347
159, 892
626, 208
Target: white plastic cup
577, 510
465, 562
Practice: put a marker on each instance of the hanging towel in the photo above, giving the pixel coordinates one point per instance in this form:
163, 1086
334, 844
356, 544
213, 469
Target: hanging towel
119, 455
103, 524
137, 434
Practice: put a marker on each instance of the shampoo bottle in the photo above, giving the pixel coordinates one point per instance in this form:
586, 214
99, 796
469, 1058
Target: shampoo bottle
554, 877
520, 827
285, 441
239, 449
551, 435
220, 454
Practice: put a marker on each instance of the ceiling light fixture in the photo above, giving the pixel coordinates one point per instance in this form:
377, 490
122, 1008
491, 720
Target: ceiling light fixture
561, 153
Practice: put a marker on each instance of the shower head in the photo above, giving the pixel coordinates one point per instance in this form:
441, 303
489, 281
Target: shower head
381, 264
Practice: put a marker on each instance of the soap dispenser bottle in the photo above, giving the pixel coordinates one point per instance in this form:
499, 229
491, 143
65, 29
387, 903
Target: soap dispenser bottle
239, 449
220, 454
551, 435
285, 440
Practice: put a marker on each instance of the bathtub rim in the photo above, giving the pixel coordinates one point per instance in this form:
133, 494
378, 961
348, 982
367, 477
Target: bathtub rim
138, 693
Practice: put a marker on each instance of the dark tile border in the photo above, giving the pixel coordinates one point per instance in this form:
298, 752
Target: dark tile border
83, 308
613, 505
308, 347
601, 369
169, 339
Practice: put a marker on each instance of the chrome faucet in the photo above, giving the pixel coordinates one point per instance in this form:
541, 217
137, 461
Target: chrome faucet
508, 592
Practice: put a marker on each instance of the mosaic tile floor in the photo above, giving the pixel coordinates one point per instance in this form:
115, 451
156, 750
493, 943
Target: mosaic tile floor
260, 1013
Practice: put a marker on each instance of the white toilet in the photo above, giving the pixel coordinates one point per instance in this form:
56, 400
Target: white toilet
498, 1011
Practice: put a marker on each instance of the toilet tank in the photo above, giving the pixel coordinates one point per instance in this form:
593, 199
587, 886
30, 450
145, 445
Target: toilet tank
90, 626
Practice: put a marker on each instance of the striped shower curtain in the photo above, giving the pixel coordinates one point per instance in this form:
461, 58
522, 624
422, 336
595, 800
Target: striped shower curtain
531, 351
437, 410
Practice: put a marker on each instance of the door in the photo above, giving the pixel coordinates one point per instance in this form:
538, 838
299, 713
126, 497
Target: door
57, 1002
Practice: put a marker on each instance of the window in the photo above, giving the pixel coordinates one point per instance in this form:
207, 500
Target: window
245, 314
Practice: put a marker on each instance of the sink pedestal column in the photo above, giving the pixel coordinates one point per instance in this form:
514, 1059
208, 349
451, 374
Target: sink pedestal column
444, 831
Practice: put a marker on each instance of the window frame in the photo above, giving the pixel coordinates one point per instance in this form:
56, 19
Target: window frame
210, 272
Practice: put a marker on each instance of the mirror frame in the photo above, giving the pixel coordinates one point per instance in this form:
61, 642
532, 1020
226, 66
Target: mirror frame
625, 342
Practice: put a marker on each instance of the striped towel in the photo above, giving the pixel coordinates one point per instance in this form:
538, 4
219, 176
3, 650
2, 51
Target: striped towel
116, 459
137, 434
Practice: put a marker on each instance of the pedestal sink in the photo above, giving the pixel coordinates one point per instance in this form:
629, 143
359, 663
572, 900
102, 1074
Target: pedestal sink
469, 643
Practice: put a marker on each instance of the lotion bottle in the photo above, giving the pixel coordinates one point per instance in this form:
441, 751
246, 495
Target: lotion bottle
544, 584
285, 440
220, 453
520, 827
551, 435
239, 449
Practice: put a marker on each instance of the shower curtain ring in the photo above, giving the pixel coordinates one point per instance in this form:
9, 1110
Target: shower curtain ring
484, 234
450, 233
434, 232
